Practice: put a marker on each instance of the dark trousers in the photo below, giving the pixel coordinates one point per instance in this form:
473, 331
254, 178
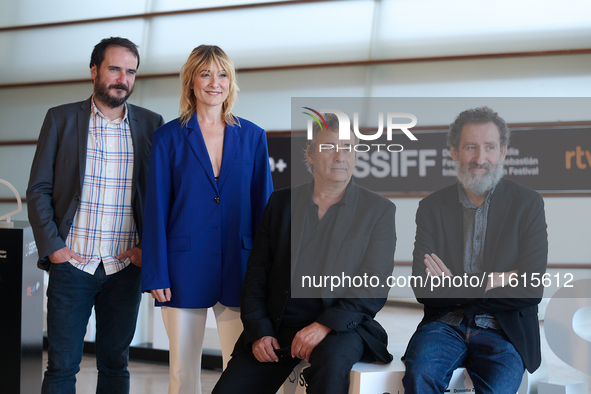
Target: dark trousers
330, 366
71, 295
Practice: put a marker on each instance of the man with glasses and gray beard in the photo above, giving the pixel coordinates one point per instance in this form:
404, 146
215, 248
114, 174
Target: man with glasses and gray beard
491, 233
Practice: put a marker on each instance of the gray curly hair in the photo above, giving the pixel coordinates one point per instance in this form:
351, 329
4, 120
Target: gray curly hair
482, 114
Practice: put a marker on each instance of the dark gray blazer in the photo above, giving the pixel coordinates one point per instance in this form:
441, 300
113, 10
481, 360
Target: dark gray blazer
57, 173
516, 239
363, 241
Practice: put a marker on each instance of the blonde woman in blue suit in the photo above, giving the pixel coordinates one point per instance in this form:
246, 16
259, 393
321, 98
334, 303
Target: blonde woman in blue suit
208, 184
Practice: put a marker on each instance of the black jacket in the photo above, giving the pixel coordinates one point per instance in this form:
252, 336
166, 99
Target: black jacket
363, 241
516, 239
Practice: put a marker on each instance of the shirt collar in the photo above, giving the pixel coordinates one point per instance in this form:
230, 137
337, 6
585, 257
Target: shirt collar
94, 111
465, 201
343, 200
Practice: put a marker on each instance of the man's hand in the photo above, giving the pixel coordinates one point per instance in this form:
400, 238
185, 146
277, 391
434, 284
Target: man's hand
499, 279
64, 254
134, 254
162, 295
435, 267
306, 340
264, 349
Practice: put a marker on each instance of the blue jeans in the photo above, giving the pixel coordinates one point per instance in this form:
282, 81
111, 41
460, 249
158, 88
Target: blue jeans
437, 349
71, 295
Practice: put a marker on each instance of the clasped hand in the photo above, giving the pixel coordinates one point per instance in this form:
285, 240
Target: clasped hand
302, 345
434, 266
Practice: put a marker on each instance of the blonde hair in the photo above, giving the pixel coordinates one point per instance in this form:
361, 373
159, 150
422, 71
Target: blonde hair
200, 59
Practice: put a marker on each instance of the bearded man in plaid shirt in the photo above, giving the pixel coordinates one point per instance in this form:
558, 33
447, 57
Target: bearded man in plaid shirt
85, 201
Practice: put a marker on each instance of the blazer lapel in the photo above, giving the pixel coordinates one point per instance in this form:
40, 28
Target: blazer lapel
299, 206
133, 129
231, 143
341, 226
451, 216
197, 144
498, 210
83, 120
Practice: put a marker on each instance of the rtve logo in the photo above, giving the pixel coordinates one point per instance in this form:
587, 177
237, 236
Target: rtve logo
582, 158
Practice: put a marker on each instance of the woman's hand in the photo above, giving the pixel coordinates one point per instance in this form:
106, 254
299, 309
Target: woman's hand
162, 295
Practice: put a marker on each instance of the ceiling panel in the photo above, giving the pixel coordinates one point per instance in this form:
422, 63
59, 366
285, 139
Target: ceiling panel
418, 28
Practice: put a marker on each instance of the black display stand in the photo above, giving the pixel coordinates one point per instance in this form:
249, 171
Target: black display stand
21, 311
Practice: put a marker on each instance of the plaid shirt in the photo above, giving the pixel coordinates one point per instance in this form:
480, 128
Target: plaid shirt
103, 226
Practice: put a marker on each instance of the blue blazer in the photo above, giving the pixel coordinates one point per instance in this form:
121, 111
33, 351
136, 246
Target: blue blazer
198, 233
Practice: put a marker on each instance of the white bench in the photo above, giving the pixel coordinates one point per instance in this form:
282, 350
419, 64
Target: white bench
387, 378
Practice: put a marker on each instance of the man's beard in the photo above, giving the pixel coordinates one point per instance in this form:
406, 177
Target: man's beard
101, 93
479, 184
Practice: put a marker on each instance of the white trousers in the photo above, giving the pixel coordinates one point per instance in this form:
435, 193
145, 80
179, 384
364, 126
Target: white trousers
185, 328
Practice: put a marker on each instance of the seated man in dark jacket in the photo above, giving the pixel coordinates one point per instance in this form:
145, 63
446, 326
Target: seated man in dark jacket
331, 231
480, 244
